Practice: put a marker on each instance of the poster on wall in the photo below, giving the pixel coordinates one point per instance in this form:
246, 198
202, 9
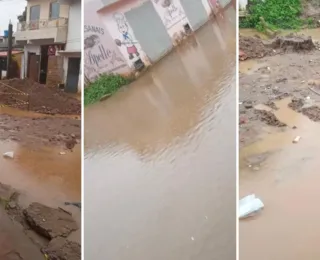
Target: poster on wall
170, 11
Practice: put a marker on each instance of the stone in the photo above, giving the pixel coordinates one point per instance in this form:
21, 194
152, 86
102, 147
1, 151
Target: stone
6, 192
49, 222
63, 249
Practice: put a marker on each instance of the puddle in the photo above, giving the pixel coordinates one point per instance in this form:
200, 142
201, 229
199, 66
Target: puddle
250, 66
156, 164
41, 173
287, 181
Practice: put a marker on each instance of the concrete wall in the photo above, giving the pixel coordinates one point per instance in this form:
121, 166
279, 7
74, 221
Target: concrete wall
114, 20
172, 15
74, 28
45, 9
207, 6
101, 54
29, 48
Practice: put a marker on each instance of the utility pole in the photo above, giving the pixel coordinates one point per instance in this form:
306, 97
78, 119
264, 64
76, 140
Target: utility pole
9, 54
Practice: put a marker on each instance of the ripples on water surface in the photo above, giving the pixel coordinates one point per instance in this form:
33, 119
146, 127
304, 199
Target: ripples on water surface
160, 157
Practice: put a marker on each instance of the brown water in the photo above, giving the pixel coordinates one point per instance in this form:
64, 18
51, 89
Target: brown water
287, 181
160, 158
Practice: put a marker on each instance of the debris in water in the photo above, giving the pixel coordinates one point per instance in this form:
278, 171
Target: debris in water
62, 153
76, 204
296, 140
192, 238
8, 155
249, 205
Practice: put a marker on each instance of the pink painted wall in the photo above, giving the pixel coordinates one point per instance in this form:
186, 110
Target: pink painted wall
120, 30
101, 54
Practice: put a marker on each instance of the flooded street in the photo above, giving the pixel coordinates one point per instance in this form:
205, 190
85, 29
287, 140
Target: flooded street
160, 157
277, 105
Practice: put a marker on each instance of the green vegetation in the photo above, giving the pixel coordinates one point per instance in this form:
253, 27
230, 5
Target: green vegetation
103, 86
275, 14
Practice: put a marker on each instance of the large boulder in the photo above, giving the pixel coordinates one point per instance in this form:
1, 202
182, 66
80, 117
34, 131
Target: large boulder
49, 222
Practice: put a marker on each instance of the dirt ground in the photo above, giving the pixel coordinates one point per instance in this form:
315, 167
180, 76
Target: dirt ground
255, 47
263, 81
51, 119
42, 99
47, 130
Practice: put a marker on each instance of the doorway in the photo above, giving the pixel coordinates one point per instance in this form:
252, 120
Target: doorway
33, 66
73, 75
43, 65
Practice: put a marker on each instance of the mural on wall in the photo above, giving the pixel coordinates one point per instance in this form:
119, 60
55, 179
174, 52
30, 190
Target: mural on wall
170, 11
127, 39
99, 58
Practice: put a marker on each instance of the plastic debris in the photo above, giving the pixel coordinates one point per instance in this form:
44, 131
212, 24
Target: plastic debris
296, 140
76, 204
8, 155
62, 153
249, 206
192, 238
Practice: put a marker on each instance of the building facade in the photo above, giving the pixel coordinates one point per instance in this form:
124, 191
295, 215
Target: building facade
49, 42
138, 33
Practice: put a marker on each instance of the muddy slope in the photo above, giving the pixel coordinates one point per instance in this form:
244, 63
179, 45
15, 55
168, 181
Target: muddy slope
254, 47
39, 130
283, 76
42, 99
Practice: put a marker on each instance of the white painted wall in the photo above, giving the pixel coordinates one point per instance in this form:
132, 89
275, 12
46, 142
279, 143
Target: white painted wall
74, 27
207, 6
28, 48
172, 16
114, 25
45, 9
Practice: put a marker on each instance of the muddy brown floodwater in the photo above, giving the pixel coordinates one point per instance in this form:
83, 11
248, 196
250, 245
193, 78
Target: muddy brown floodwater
160, 157
282, 173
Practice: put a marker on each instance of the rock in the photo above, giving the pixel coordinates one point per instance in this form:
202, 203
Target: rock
49, 222
8, 155
6, 192
63, 249
12, 205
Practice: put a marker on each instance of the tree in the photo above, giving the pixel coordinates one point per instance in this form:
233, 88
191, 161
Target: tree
23, 16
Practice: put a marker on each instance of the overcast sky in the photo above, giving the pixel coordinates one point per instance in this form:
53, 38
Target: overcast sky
10, 9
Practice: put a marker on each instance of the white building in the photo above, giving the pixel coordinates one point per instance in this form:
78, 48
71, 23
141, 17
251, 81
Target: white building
51, 36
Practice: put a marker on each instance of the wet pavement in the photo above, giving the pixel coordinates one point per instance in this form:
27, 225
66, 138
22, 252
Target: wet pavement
15, 245
282, 173
160, 157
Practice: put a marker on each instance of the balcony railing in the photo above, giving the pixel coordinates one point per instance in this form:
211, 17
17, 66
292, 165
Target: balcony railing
42, 24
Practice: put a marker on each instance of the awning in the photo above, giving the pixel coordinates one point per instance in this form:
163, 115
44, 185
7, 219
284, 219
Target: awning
69, 52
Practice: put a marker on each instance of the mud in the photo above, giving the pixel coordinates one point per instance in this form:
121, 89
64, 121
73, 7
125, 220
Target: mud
44, 228
282, 173
41, 98
269, 118
265, 83
53, 131
63, 249
255, 47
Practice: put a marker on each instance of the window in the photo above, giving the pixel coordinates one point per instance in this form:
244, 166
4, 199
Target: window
54, 10
35, 13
